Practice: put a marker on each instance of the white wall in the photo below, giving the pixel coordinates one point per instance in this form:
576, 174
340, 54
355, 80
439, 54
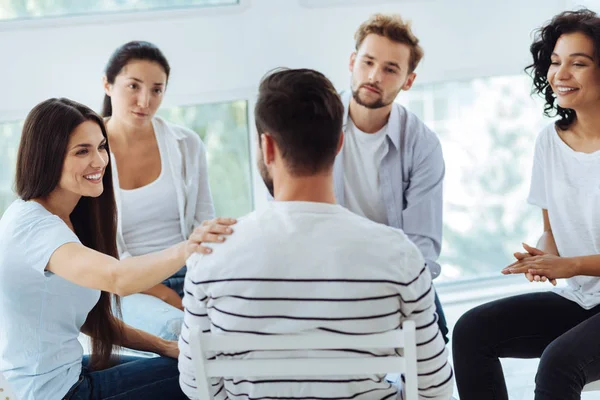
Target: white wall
218, 55
221, 54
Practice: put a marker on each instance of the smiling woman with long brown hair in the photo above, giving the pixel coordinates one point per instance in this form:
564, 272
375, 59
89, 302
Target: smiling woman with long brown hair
59, 264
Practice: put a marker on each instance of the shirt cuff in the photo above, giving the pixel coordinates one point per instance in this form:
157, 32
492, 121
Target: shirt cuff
434, 268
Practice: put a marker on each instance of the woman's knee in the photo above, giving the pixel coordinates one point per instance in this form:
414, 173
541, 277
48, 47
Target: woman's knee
470, 328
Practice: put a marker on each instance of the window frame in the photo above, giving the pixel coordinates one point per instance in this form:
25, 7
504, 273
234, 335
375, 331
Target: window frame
116, 17
345, 3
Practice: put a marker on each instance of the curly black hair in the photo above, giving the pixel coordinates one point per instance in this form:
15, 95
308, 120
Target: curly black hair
584, 21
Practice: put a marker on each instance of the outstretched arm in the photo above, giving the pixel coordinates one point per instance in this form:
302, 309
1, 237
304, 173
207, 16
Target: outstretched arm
92, 269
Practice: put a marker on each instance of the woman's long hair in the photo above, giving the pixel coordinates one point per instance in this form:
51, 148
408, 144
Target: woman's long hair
135, 50
584, 21
42, 151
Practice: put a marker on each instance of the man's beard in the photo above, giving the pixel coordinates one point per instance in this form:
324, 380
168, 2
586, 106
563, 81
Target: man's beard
379, 103
267, 179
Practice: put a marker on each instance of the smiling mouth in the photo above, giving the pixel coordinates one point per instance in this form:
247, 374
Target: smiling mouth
565, 90
139, 114
93, 177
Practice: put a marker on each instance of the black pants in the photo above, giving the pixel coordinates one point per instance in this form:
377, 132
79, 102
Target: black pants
538, 325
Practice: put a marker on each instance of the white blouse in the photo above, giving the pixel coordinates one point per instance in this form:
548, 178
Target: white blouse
183, 157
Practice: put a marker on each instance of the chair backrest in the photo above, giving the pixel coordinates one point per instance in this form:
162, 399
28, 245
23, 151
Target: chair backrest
5, 392
318, 366
592, 387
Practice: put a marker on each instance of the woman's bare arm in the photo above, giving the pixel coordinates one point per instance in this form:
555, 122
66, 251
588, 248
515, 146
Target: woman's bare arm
546, 242
92, 269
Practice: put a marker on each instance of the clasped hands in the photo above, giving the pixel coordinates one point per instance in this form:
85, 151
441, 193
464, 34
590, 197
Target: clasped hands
539, 266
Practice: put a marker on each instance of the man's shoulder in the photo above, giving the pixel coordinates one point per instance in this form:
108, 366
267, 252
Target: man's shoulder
389, 248
245, 230
376, 234
415, 131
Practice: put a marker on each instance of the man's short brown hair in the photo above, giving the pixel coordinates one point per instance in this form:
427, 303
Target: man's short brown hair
393, 27
303, 113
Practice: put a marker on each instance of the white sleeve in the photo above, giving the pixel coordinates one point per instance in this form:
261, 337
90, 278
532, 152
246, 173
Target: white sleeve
196, 315
41, 238
537, 190
417, 304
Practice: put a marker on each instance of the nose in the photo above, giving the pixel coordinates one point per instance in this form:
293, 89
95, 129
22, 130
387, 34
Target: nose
143, 99
375, 75
100, 160
562, 73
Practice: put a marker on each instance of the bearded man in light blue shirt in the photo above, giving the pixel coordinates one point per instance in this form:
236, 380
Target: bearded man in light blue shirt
391, 167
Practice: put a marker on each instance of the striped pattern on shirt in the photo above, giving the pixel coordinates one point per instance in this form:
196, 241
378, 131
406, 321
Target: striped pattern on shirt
307, 267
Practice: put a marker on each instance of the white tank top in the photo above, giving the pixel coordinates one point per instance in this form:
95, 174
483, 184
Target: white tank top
149, 214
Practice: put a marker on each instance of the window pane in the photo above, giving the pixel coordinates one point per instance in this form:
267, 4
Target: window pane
10, 133
223, 127
23, 9
487, 128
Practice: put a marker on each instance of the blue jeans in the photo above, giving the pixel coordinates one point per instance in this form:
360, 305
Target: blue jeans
151, 314
130, 378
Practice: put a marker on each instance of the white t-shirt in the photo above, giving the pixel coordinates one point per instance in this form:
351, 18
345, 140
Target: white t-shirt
567, 184
300, 267
41, 314
149, 215
362, 154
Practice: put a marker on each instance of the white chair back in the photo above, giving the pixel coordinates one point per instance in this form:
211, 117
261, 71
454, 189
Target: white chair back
318, 366
592, 387
5, 392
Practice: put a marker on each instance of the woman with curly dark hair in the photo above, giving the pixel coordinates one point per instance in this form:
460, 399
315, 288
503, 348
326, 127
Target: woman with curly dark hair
561, 326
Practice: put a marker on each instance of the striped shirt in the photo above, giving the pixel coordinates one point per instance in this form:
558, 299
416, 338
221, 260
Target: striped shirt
300, 267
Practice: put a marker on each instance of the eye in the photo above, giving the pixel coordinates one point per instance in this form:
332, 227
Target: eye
554, 63
158, 90
133, 86
103, 146
390, 70
369, 62
81, 152
579, 64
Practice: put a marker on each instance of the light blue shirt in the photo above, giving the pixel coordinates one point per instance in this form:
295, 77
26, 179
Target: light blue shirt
41, 314
411, 175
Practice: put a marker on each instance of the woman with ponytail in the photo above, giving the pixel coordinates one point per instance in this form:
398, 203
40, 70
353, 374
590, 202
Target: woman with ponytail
160, 178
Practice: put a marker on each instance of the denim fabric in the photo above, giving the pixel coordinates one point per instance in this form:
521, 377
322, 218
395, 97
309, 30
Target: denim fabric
131, 378
151, 314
